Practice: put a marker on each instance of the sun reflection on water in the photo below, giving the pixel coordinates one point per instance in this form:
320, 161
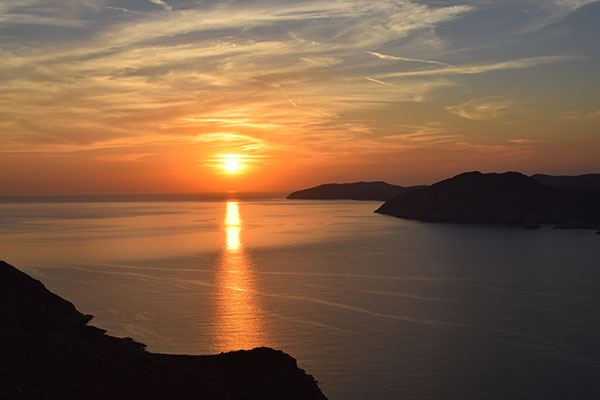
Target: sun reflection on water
238, 323
232, 227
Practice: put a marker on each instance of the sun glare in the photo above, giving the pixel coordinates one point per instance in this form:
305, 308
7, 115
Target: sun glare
232, 163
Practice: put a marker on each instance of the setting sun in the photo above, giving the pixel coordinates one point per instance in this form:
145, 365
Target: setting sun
232, 163
232, 166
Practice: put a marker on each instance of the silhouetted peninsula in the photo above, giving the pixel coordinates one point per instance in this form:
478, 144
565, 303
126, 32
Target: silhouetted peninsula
591, 181
511, 197
352, 191
48, 352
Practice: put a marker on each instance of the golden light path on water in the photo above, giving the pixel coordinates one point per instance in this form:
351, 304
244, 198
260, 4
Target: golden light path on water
238, 321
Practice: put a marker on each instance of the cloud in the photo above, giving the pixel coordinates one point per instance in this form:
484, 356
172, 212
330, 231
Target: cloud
151, 73
579, 115
297, 77
322, 61
379, 82
125, 10
162, 3
550, 11
472, 69
522, 141
245, 143
132, 157
394, 58
58, 13
483, 109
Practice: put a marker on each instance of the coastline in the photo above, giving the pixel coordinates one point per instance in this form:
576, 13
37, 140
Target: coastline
53, 353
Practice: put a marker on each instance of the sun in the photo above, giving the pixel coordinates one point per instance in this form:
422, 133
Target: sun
231, 166
232, 163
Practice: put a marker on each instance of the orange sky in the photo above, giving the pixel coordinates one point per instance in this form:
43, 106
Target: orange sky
102, 97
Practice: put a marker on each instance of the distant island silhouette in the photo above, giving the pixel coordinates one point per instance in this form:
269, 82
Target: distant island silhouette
380, 191
49, 352
511, 197
473, 197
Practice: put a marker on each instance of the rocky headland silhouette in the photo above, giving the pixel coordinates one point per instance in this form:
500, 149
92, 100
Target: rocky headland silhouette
49, 352
380, 191
510, 197
591, 181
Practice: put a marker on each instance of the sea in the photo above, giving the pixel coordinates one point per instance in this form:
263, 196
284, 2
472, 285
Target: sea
374, 307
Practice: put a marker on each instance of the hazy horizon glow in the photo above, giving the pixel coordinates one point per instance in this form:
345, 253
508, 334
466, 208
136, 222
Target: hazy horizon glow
104, 96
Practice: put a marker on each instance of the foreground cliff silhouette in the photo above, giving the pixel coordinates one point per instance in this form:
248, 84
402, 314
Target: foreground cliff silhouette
351, 191
510, 197
49, 352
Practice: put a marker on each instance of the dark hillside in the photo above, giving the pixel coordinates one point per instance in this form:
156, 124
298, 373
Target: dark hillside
351, 191
510, 197
49, 352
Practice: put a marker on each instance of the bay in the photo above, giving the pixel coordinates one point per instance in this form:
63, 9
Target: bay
374, 307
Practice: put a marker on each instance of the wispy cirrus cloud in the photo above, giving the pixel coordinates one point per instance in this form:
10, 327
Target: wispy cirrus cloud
297, 79
246, 143
58, 13
579, 114
152, 72
472, 69
551, 11
130, 157
379, 82
523, 141
396, 58
482, 109
162, 4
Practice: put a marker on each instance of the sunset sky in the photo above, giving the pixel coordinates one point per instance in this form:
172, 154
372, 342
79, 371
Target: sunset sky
101, 96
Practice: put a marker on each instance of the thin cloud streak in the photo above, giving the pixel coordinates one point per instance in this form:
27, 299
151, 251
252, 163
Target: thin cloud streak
484, 109
379, 82
162, 4
483, 68
395, 58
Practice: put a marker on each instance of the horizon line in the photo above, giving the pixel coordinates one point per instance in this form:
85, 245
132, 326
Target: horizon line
141, 197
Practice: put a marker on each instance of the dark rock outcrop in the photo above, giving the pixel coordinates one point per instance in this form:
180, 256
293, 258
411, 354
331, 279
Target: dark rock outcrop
575, 224
530, 225
380, 191
591, 181
510, 197
48, 352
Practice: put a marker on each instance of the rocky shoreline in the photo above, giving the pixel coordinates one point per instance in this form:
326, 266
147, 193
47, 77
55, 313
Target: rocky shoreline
508, 198
49, 351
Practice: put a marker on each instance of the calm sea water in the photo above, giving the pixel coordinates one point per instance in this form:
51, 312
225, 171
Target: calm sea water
375, 307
